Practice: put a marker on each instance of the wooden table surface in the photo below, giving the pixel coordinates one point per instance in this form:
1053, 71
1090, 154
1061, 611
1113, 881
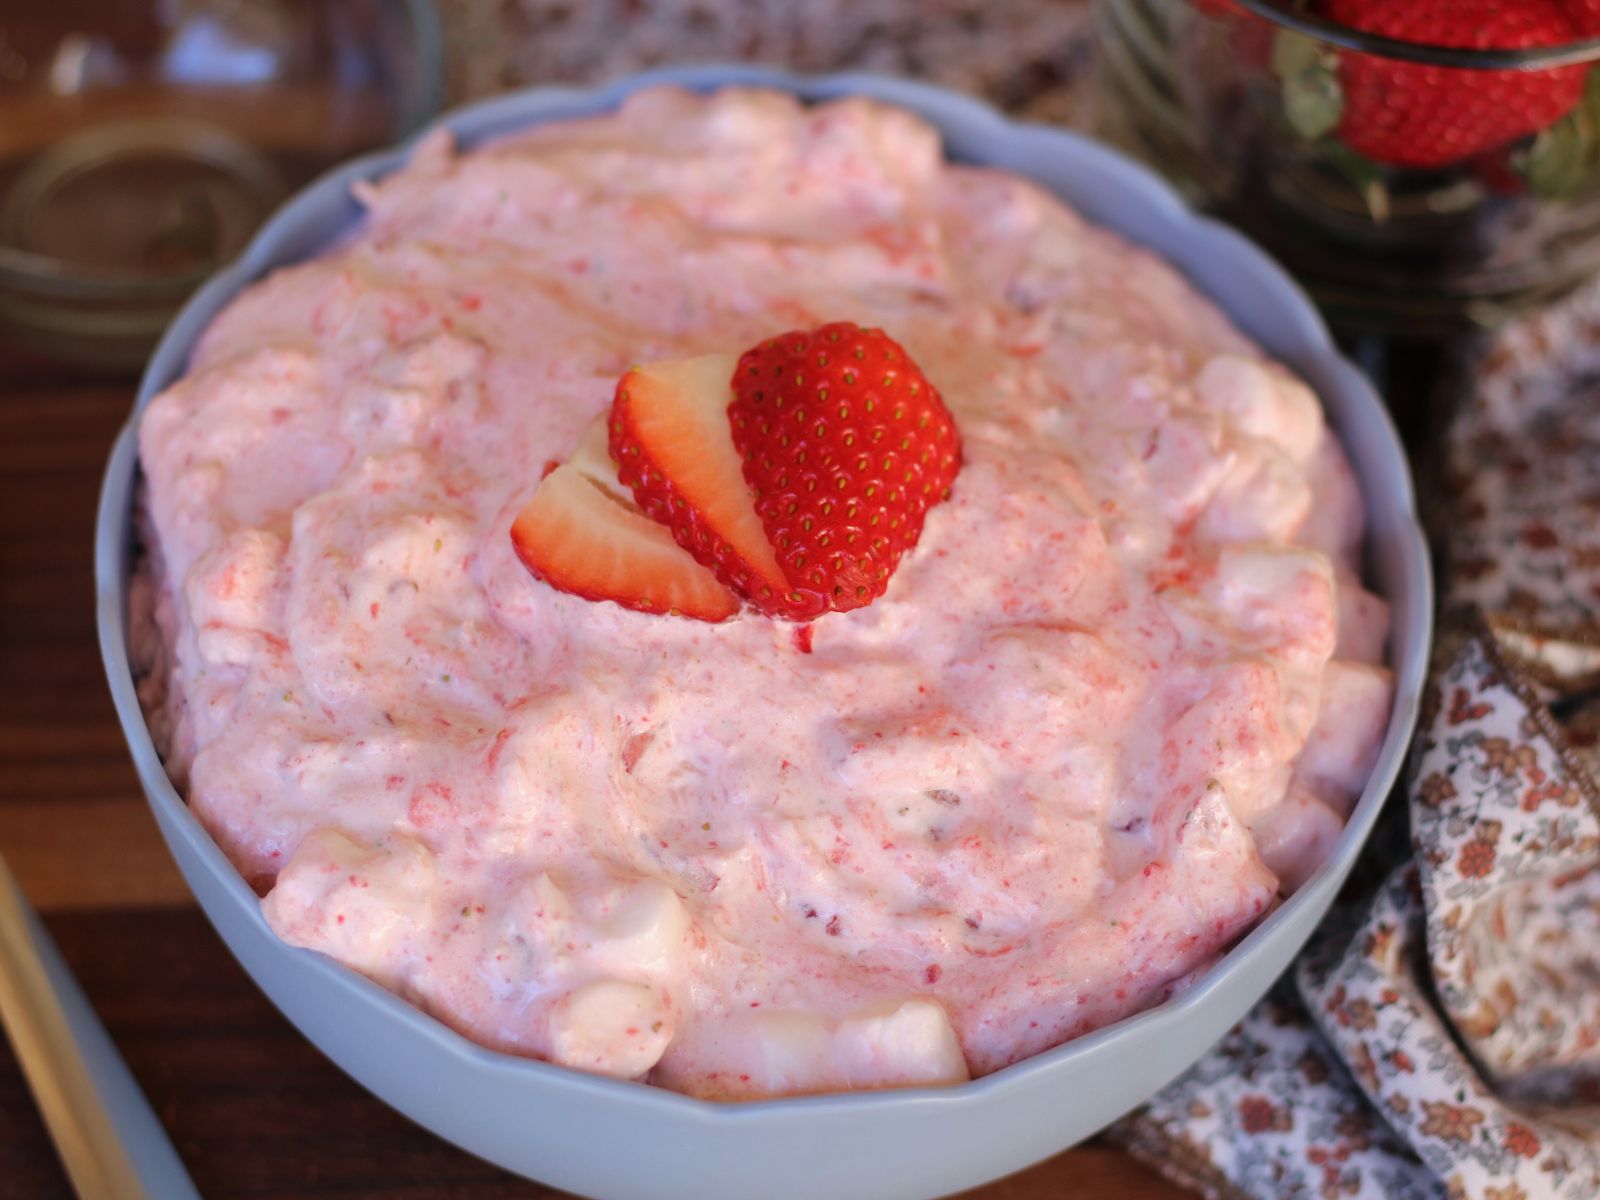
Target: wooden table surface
253, 1108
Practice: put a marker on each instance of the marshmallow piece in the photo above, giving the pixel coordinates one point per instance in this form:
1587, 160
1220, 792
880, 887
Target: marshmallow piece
235, 595
1295, 837
355, 903
1334, 522
788, 1053
1351, 722
1363, 624
1282, 593
611, 1028
646, 929
527, 938
1263, 497
1185, 462
1263, 402
891, 1043
1248, 764
908, 1044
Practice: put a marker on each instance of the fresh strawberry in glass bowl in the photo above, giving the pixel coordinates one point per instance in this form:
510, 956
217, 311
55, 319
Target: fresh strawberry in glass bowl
1422, 166
1411, 114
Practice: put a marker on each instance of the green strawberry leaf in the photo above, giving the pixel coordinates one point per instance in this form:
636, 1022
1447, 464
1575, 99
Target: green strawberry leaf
1313, 103
1563, 161
1312, 99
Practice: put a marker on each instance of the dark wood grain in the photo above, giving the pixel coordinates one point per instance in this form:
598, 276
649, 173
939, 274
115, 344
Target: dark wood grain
253, 1108
71, 818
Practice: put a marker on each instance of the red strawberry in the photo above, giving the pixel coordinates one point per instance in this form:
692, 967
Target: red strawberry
1412, 115
580, 532
802, 477
670, 438
1585, 16
846, 445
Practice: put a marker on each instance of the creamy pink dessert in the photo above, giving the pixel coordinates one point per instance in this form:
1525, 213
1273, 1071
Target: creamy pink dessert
1117, 701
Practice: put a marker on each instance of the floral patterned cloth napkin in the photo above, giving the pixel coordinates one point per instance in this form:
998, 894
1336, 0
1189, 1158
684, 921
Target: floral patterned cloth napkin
1440, 1037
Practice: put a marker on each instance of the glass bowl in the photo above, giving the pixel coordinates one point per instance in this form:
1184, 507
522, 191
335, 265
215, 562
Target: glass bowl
1415, 190
142, 142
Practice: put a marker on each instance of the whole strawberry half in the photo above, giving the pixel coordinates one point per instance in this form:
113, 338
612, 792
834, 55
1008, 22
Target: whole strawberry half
845, 445
1415, 115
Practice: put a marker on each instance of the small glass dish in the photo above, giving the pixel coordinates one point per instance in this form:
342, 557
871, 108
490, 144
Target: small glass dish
1415, 190
142, 142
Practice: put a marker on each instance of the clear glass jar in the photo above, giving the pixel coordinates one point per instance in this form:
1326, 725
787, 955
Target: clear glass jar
142, 142
1415, 190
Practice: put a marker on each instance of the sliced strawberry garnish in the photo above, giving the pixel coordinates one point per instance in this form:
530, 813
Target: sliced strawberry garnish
846, 445
798, 475
671, 442
580, 532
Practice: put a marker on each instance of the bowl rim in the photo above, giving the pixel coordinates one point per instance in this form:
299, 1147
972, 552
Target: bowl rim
489, 118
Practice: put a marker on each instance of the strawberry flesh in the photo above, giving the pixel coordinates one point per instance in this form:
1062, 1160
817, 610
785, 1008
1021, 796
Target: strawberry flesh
1584, 15
670, 438
580, 532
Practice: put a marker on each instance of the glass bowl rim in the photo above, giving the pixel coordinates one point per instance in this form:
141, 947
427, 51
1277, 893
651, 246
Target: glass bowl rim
1282, 12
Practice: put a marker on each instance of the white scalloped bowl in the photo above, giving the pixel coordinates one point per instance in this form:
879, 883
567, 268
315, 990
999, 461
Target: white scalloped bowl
624, 1141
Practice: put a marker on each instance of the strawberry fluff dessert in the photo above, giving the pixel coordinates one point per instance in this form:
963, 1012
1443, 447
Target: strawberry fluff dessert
716, 595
